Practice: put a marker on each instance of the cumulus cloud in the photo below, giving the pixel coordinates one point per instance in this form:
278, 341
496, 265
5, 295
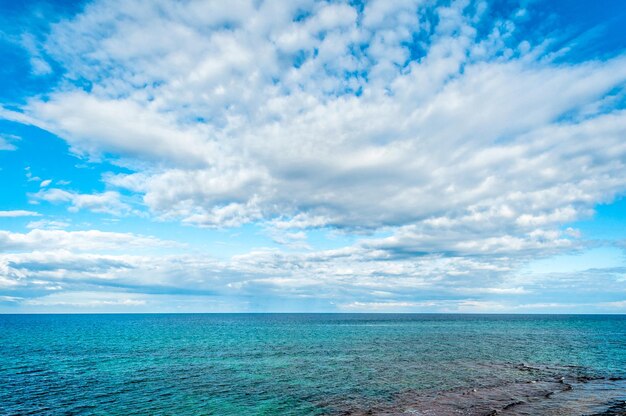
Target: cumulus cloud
455, 144
108, 202
357, 118
120, 126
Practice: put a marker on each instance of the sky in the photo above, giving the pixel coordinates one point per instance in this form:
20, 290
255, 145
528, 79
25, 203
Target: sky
313, 156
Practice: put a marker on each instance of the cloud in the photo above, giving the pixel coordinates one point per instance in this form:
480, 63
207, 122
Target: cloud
6, 142
115, 301
353, 278
18, 213
29, 175
418, 240
92, 240
620, 305
10, 299
246, 119
89, 300
108, 202
93, 125
38, 63
456, 146
386, 306
47, 224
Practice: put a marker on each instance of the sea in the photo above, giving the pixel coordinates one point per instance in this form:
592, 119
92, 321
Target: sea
312, 364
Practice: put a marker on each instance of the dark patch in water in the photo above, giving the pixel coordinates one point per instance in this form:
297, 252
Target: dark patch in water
617, 409
551, 391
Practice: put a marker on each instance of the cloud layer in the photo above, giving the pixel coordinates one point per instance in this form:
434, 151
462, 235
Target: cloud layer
452, 141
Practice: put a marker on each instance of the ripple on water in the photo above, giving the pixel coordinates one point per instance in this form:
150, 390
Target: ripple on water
311, 364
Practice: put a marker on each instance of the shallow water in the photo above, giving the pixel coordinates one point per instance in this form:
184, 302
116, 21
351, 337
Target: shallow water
317, 364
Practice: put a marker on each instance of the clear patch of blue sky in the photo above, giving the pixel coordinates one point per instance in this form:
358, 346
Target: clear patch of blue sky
596, 258
44, 156
31, 18
608, 222
595, 28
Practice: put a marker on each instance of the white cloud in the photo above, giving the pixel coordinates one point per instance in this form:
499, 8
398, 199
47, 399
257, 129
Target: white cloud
416, 240
465, 146
249, 124
353, 278
387, 306
620, 305
39, 65
108, 202
47, 224
497, 290
18, 213
92, 240
122, 127
10, 298
6, 144
88, 300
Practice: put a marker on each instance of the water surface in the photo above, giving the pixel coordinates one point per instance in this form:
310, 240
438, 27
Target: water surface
310, 364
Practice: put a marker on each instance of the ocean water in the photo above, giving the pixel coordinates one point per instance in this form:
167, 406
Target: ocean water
312, 364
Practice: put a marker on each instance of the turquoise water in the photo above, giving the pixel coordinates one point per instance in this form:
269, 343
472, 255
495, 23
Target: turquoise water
281, 364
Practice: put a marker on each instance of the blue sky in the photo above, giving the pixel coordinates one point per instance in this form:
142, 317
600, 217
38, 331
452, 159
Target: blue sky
410, 156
